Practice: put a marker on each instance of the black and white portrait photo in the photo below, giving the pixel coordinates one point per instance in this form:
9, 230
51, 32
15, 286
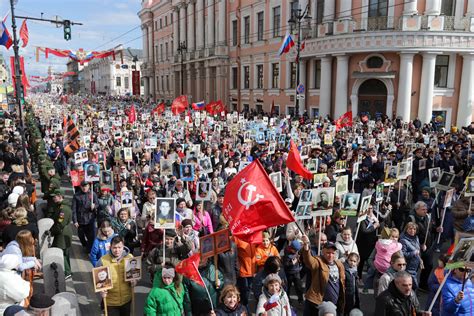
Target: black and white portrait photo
306, 197
351, 201
445, 181
92, 172
203, 191
187, 172
323, 198
303, 211
166, 167
126, 198
433, 175
164, 213
205, 164
276, 180
106, 179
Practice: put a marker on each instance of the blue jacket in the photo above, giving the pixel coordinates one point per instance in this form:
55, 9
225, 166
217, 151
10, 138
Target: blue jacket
450, 291
433, 286
410, 245
99, 248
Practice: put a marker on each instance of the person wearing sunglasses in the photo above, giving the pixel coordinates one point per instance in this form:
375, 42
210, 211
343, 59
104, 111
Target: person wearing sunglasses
458, 293
397, 263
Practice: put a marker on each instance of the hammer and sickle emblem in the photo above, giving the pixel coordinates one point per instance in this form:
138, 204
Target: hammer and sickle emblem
249, 200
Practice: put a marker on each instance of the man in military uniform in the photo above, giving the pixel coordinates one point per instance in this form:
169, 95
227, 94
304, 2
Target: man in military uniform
61, 214
52, 184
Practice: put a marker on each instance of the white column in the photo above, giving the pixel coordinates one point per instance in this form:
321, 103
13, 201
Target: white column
458, 14
208, 95
200, 24
410, 7
329, 10
222, 23
145, 42
182, 23
325, 87
190, 33
466, 92
470, 8
210, 23
152, 86
175, 30
433, 7
146, 89
404, 86
302, 102
341, 85
425, 106
151, 58
345, 10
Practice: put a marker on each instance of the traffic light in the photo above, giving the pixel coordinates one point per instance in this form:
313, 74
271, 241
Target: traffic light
67, 30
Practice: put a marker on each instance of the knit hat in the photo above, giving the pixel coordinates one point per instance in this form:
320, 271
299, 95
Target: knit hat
356, 312
12, 199
41, 301
170, 233
186, 222
296, 244
272, 277
167, 273
326, 308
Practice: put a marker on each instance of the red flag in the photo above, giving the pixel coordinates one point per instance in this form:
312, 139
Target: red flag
132, 115
294, 162
24, 33
179, 104
344, 120
252, 203
160, 108
214, 108
189, 268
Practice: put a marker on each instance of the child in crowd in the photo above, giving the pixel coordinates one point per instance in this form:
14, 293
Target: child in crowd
273, 300
352, 293
265, 250
293, 266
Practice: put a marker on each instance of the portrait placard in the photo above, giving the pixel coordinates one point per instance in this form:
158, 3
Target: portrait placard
469, 191
166, 167
445, 181
364, 208
433, 175
277, 180
126, 199
203, 191
207, 248
127, 154
133, 268
80, 157
92, 172
165, 213
102, 279
186, 172
222, 241
342, 185
323, 198
350, 203
107, 179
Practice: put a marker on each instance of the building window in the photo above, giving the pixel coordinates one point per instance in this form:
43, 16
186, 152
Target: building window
276, 21
161, 24
447, 7
319, 11
374, 62
290, 110
166, 50
171, 18
276, 110
234, 77
247, 30
246, 77
317, 74
161, 52
292, 84
378, 8
162, 83
259, 76
118, 81
441, 71
259, 108
171, 47
246, 108
167, 83
166, 20
260, 26
314, 112
234, 33
142, 82
127, 85
275, 75
155, 25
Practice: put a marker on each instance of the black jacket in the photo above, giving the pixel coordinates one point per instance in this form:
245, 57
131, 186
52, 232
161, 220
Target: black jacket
81, 208
393, 303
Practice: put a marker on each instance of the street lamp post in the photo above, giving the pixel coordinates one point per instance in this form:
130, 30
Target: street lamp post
297, 17
18, 87
181, 50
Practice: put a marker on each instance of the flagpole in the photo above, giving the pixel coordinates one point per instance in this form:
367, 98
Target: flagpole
18, 87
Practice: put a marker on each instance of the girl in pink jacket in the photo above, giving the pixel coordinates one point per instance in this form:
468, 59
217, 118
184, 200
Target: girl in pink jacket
385, 248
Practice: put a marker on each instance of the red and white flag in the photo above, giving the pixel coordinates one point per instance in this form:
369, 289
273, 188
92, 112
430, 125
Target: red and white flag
189, 268
252, 204
24, 33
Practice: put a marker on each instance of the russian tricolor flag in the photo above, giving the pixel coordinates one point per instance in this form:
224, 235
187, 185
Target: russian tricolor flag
5, 38
198, 106
286, 45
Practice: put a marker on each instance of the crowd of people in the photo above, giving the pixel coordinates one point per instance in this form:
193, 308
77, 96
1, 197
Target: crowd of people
160, 189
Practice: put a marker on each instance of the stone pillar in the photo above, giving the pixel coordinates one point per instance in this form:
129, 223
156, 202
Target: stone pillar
222, 24
458, 15
151, 55
433, 7
302, 102
199, 83
145, 42
345, 10
190, 33
182, 23
189, 82
210, 23
425, 106
404, 86
410, 7
466, 92
341, 85
200, 24
175, 30
152, 87
207, 95
325, 87
470, 8
329, 10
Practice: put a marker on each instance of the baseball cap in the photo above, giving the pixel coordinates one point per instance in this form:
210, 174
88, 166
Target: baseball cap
330, 245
